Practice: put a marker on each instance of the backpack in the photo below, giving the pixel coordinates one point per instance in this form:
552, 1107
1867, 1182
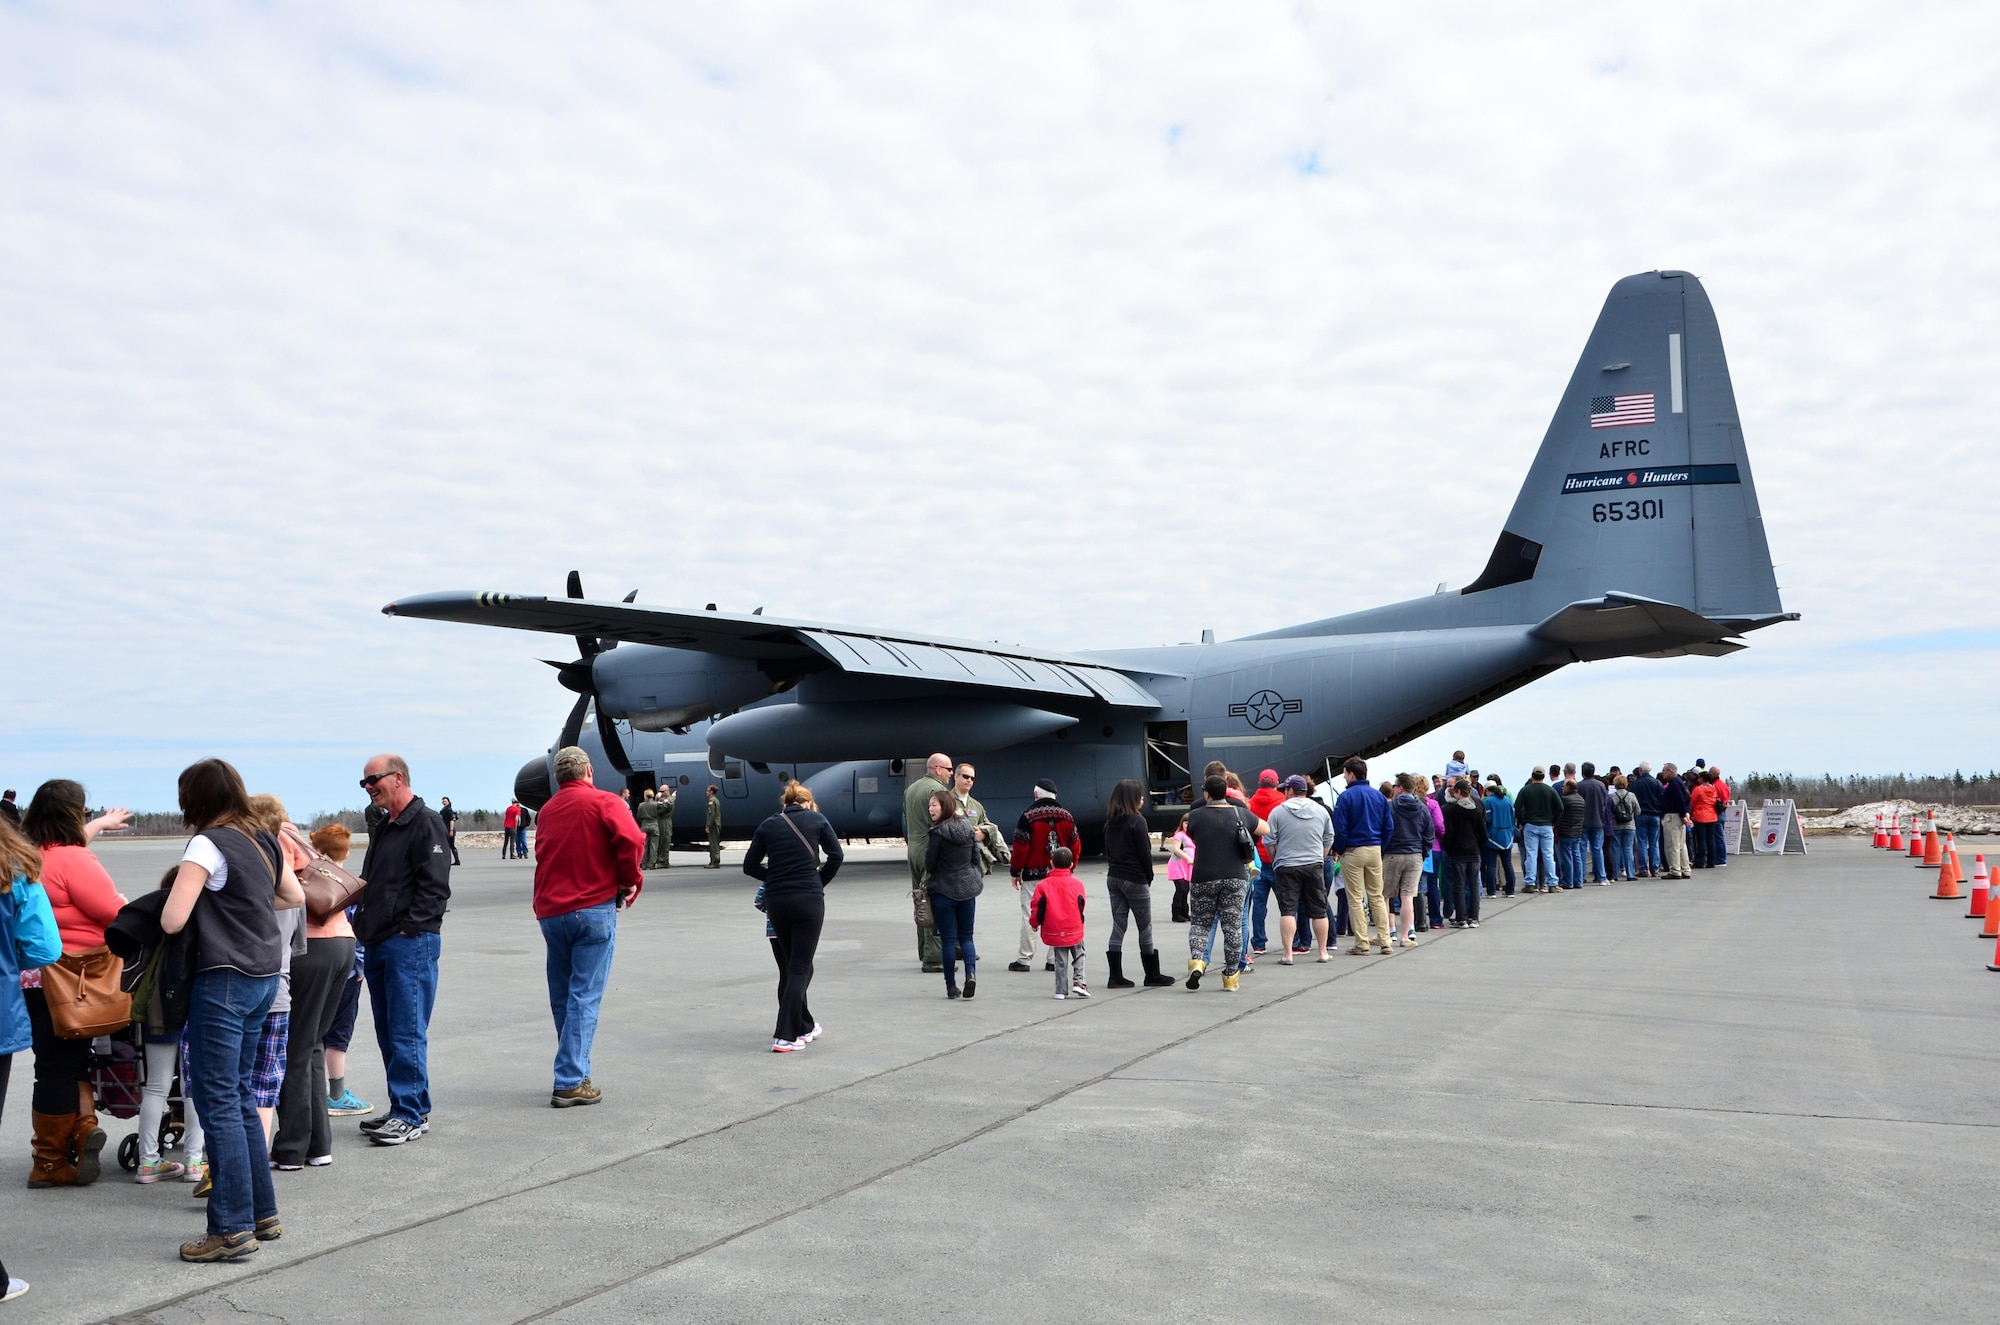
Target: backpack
1624, 807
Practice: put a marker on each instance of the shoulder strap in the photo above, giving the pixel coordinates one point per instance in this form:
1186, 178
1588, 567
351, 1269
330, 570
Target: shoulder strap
258, 847
809, 845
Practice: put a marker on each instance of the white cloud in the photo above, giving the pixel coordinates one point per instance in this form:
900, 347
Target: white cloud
309, 309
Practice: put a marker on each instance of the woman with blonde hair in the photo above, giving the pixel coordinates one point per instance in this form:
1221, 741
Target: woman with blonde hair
785, 857
27, 939
318, 977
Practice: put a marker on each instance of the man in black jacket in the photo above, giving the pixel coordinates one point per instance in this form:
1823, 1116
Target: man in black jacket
401, 919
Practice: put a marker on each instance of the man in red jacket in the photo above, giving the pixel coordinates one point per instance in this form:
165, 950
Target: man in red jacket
1266, 798
587, 854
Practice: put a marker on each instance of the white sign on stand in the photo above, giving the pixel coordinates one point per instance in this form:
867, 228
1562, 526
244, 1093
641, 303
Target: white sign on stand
1732, 828
1778, 830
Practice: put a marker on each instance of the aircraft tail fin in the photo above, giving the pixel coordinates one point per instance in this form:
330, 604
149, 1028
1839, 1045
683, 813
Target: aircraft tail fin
1642, 485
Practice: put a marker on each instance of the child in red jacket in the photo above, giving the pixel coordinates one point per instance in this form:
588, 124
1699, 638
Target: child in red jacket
1057, 911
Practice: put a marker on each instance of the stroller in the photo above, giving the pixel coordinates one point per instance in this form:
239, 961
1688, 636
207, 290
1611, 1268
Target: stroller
118, 1076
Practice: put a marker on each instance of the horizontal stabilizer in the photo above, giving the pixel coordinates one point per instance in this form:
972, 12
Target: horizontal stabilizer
1622, 625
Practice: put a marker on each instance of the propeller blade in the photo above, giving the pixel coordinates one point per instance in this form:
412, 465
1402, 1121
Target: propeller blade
633, 596
587, 646
573, 725
614, 750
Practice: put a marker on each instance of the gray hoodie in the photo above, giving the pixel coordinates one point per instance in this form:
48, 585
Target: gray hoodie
1301, 832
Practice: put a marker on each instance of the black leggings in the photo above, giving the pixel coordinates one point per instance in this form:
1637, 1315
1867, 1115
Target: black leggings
795, 924
59, 1064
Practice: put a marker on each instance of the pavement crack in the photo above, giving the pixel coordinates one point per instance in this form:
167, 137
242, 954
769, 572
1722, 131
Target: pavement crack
1753, 1113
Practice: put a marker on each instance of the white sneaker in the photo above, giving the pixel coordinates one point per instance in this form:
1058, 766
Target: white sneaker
812, 1034
786, 1046
1062, 996
1079, 991
15, 1287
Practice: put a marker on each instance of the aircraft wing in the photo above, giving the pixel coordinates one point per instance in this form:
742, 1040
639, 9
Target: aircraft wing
1622, 625
988, 666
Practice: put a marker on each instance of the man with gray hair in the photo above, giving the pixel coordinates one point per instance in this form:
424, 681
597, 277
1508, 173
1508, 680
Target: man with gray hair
400, 921
587, 865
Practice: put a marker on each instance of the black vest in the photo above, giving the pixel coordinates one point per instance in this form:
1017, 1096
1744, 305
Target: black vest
239, 921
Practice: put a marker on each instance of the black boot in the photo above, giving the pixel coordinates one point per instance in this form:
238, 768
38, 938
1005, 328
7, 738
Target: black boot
1154, 980
1115, 960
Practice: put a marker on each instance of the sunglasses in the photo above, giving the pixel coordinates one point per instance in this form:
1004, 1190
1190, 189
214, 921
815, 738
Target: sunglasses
368, 783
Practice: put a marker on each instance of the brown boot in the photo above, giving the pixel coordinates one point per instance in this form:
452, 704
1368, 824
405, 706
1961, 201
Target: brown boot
53, 1165
88, 1138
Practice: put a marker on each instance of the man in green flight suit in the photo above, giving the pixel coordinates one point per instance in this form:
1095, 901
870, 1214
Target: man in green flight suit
666, 825
647, 812
916, 832
992, 846
715, 829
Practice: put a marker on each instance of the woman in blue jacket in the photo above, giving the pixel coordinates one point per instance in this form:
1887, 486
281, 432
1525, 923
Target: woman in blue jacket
28, 938
1498, 853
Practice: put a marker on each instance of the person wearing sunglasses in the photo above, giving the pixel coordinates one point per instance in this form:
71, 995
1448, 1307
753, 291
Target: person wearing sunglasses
400, 922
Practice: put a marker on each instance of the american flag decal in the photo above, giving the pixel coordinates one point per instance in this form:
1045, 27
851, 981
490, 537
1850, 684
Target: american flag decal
1621, 411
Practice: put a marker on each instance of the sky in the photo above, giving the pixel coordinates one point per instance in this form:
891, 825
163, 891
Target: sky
1081, 326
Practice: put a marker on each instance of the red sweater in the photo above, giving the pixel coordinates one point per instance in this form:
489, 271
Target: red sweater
1703, 800
81, 893
1057, 909
1261, 804
587, 846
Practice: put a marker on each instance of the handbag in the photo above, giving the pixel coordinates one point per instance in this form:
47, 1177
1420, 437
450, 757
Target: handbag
328, 887
37, 941
84, 997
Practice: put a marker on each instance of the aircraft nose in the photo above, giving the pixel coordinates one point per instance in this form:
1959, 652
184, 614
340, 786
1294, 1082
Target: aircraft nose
531, 784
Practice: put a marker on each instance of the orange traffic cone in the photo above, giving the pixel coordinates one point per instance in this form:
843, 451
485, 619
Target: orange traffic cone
1916, 839
1992, 929
1881, 838
1933, 849
1948, 889
1994, 965
1951, 854
1981, 882
1896, 832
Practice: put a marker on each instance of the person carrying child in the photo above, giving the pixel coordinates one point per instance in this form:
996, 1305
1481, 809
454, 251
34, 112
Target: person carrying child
1056, 913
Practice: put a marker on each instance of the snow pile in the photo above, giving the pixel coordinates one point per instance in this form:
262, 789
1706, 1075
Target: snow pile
1861, 818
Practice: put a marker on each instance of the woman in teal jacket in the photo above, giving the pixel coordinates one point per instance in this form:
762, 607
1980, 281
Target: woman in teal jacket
28, 938
1498, 853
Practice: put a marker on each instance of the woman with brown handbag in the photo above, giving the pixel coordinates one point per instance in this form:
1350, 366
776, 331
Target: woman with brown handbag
67, 1139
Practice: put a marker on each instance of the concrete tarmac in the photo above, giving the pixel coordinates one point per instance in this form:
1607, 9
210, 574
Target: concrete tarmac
1768, 1093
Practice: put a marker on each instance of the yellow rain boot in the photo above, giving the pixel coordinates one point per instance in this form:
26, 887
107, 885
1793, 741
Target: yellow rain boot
1195, 967
1229, 983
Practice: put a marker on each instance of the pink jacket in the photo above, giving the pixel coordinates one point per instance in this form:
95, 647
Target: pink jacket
1057, 909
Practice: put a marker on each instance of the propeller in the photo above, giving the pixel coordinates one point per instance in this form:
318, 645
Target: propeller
576, 676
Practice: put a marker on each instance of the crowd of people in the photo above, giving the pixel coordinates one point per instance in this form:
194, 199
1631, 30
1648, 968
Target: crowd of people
245, 990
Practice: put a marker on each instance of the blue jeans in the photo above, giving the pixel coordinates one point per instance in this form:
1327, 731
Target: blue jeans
954, 931
1492, 861
1594, 839
1621, 852
1571, 849
1718, 845
402, 975
521, 841
1437, 891
1649, 844
1538, 855
225, 1017
1260, 905
580, 945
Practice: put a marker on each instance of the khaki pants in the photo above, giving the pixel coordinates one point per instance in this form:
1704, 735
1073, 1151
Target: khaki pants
1674, 845
1362, 868
1027, 944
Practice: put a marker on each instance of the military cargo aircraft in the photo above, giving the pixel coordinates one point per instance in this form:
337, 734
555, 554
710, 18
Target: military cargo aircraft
1637, 533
